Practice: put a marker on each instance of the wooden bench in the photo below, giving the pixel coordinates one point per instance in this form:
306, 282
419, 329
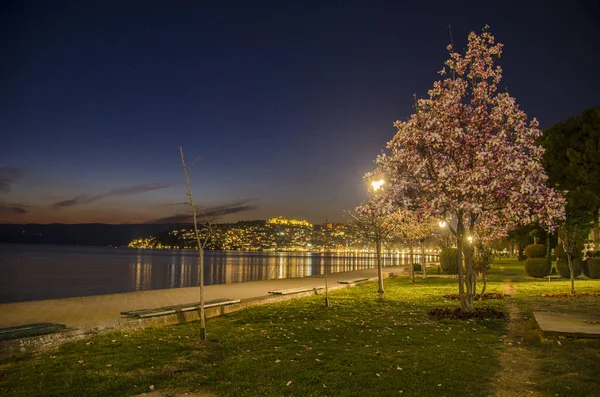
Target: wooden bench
188, 307
296, 290
353, 281
23, 331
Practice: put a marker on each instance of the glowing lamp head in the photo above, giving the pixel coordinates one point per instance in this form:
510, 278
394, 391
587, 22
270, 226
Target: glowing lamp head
442, 224
377, 184
470, 239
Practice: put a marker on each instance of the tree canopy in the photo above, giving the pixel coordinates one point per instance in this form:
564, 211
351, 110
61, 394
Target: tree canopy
468, 152
572, 161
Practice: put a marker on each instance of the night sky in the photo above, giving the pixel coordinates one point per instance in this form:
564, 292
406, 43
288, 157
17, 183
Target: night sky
286, 103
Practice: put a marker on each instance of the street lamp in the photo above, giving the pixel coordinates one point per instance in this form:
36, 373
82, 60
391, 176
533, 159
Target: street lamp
442, 224
470, 239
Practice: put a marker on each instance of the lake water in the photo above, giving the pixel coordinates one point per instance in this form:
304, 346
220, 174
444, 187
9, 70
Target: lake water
33, 272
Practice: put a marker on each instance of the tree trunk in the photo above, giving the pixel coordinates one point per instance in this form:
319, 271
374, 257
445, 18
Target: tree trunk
201, 277
326, 282
423, 260
460, 232
483, 272
468, 253
379, 266
572, 273
596, 230
200, 249
548, 256
412, 262
520, 255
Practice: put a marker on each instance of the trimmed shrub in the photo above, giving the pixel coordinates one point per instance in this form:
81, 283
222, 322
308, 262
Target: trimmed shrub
593, 266
562, 265
535, 251
593, 254
559, 251
537, 267
417, 267
584, 268
449, 260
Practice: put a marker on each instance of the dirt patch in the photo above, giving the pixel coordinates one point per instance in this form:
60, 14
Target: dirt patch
162, 393
509, 288
519, 368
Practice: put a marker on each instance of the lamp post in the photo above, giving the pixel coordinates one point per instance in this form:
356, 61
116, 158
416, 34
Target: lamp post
443, 225
376, 185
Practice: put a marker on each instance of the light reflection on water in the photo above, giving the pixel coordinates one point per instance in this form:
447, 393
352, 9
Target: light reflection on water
32, 272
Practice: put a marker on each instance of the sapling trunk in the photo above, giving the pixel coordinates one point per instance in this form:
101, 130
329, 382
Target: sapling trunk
484, 279
200, 249
596, 229
470, 278
466, 297
423, 260
379, 266
572, 273
548, 256
412, 262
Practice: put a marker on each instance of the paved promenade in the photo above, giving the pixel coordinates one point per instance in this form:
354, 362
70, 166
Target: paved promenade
103, 310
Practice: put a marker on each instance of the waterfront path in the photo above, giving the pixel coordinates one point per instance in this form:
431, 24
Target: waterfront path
101, 311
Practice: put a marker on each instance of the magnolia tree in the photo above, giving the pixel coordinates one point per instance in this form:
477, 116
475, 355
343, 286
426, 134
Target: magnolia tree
373, 221
414, 226
468, 152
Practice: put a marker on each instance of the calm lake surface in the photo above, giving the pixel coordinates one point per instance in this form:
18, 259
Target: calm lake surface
34, 272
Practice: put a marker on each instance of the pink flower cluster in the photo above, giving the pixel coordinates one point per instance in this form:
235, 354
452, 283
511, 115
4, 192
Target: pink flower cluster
468, 151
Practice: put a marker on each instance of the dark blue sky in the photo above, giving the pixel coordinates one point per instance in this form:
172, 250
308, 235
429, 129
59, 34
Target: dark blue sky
286, 103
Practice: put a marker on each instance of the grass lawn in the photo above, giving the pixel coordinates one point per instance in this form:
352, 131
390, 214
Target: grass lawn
361, 345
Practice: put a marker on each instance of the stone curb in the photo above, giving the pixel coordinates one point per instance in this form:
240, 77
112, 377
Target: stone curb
41, 343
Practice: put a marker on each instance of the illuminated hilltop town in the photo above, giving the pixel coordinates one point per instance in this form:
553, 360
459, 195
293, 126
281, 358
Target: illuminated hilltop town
275, 234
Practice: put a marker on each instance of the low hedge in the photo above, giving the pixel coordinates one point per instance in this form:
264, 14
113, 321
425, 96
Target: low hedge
537, 267
562, 265
478, 297
593, 267
449, 260
593, 254
480, 313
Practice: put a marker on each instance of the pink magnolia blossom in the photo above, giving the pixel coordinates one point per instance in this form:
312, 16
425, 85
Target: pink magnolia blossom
470, 153
469, 150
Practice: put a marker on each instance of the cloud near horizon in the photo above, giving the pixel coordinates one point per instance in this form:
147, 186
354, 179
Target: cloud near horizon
13, 208
209, 213
124, 191
8, 175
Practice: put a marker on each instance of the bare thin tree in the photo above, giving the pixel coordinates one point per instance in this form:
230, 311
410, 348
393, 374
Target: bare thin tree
572, 238
201, 246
